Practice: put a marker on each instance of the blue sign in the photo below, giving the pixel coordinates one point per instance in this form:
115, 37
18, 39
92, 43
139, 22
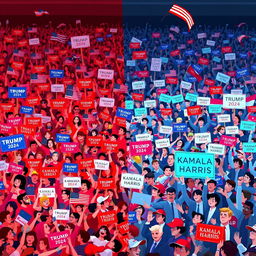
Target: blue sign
68, 167
164, 59
197, 68
100, 39
26, 110
243, 55
191, 79
17, 92
180, 127
2, 187
180, 62
253, 67
216, 59
132, 217
216, 52
109, 35
226, 41
206, 50
62, 137
56, 73
242, 72
164, 46
124, 113
12, 143
189, 52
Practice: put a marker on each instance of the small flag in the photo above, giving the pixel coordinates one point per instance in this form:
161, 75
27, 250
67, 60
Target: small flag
41, 13
183, 14
193, 73
32, 30
175, 29
77, 198
59, 38
23, 217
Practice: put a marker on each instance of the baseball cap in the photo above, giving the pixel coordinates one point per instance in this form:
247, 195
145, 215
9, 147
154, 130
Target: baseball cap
176, 222
101, 199
182, 243
160, 187
253, 228
160, 211
134, 243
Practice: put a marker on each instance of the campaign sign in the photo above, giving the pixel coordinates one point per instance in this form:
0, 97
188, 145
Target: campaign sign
3, 166
225, 118
194, 110
130, 180
177, 98
242, 72
49, 192
232, 130
140, 148
194, 165
214, 109
162, 143
34, 41
62, 137
57, 88
69, 167
222, 78
247, 126
150, 104
232, 101
228, 140
140, 198
185, 85
70, 147
203, 101
191, 97
159, 83
230, 56
72, 182
143, 137
80, 42
23, 217
58, 238
156, 64
105, 74
12, 143
249, 147
15, 168
123, 227
107, 102
165, 98
130, 63
49, 172
61, 214
210, 233
132, 217
124, 113
216, 149
101, 164
204, 137
138, 85
165, 129
106, 218
180, 127
26, 110
17, 92
140, 111
104, 183
56, 73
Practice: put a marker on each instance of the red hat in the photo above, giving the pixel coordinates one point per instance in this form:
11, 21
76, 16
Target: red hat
182, 243
176, 222
160, 211
216, 140
134, 231
160, 187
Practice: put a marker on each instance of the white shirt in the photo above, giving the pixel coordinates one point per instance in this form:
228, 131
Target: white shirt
227, 232
96, 241
210, 214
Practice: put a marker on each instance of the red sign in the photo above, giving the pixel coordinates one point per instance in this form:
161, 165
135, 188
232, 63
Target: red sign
15, 121
6, 107
203, 61
84, 83
194, 110
58, 104
5, 128
166, 111
142, 73
86, 104
44, 87
39, 69
33, 101
175, 53
227, 49
251, 109
209, 82
138, 96
231, 73
141, 148
70, 147
18, 65
156, 35
27, 130
106, 218
228, 140
216, 90
171, 80
15, 168
58, 238
104, 116
121, 122
139, 55
134, 45
123, 227
106, 183
110, 146
210, 233
34, 163
50, 172
34, 121
86, 163
94, 141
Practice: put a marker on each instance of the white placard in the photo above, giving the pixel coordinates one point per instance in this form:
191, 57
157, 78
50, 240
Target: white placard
101, 164
232, 101
46, 119
113, 30
72, 182
156, 64
49, 192
232, 129
34, 41
80, 42
216, 149
61, 214
223, 118
159, 83
210, 43
236, 91
57, 88
185, 85
107, 102
143, 137
201, 35
136, 40
162, 143
138, 85
203, 101
204, 137
230, 56
130, 180
165, 129
150, 104
3, 166
106, 74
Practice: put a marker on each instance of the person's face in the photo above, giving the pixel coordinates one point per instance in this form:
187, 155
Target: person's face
42, 246
179, 143
30, 239
9, 208
246, 179
155, 165
175, 231
84, 187
8, 219
228, 187
64, 196
50, 144
197, 198
222, 130
26, 200
180, 251
135, 251
139, 211
72, 218
46, 203
159, 218
154, 192
170, 160
76, 120
191, 183
149, 180
252, 235
236, 165
17, 183
168, 172
103, 232
246, 210
46, 229
81, 138
55, 157
211, 187
156, 235
79, 209
235, 119
197, 219
171, 196
106, 203
201, 123
224, 217
19, 158
212, 202
10, 235
76, 110
39, 156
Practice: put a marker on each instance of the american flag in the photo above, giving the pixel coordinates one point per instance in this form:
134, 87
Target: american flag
59, 38
32, 30
41, 13
183, 14
77, 198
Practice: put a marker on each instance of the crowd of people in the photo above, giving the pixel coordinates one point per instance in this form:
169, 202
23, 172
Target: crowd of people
177, 100
60, 194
